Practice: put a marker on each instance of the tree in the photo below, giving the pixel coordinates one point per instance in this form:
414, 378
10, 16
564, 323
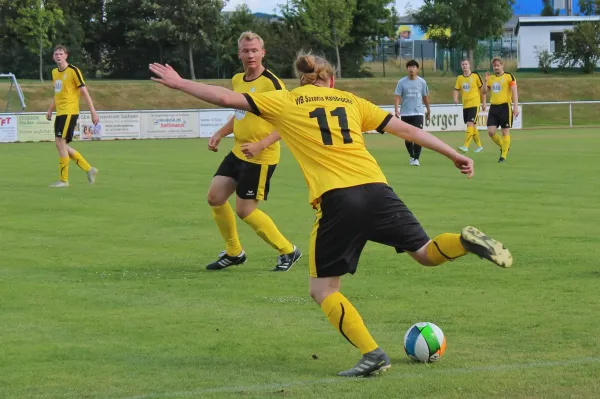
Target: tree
36, 22
589, 7
548, 9
329, 21
194, 21
582, 47
469, 21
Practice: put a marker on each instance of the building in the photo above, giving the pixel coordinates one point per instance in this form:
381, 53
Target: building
539, 33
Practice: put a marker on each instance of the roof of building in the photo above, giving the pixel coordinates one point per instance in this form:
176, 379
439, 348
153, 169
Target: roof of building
550, 21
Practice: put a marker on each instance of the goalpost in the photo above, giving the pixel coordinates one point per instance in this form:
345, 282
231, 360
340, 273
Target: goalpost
10, 96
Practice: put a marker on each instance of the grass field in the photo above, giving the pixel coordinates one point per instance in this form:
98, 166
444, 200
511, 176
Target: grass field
103, 291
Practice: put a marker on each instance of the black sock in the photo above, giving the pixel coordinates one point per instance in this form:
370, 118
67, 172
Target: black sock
417, 151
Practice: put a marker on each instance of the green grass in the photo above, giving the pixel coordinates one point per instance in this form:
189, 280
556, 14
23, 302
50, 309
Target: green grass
103, 291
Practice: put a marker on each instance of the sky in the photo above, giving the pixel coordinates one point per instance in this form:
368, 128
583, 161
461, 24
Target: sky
269, 5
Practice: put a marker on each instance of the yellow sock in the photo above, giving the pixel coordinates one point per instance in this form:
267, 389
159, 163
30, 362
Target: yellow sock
80, 161
63, 168
468, 137
505, 145
266, 229
497, 139
225, 218
345, 318
476, 138
445, 247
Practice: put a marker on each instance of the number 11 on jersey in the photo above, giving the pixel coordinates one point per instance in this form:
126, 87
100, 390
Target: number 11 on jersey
340, 113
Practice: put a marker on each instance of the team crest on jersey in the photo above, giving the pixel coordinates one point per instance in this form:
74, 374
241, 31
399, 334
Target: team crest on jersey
240, 114
252, 90
466, 86
58, 85
496, 87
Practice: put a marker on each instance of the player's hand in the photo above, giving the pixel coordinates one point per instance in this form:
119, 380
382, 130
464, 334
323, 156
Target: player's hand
49, 115
213, 142
95, 118
428, 115
487, 76
515, 110
166, 75
397, 114
483, 107
251, 150
465, 164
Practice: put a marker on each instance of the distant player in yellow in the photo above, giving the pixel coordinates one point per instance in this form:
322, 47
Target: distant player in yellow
469, 85
68, 87
504, 92
248, 178
323, 128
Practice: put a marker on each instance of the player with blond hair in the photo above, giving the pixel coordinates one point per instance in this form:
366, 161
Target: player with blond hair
322, 127
248, 176
69, 86
469, 85
504, 92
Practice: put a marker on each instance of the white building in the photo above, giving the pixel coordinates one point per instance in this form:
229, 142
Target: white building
544, 33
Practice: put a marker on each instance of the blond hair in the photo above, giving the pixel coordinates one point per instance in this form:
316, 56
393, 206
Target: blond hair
310, 68
61, 48
499, 59
248, 36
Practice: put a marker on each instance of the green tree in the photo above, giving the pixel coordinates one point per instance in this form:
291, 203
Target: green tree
329, 21
582, 47
36, 22
195, 23
548, 9
469, 21
589, 7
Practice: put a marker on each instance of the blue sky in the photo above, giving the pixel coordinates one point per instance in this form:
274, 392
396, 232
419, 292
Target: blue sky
268, 5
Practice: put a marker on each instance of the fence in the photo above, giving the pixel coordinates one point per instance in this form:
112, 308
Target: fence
165, 124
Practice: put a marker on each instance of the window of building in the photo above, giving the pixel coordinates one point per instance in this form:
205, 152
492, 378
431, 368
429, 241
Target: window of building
557, 41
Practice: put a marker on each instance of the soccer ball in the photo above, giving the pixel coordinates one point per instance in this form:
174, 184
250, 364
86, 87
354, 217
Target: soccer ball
424, 342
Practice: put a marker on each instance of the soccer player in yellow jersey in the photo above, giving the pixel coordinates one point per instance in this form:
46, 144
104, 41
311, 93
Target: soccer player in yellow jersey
248, 178
469, 85
504, 92
68, 87
323, 129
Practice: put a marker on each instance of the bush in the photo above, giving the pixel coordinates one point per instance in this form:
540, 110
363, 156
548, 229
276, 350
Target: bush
544, 58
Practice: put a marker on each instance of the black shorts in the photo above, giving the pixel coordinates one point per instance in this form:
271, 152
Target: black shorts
413, 120
64, 125
253, 180
349, 217
500, 115
470, 114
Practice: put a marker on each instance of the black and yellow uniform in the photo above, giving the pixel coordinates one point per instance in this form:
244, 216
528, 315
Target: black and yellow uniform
323, 129
469, 87
252, 175
500, 113
66, 99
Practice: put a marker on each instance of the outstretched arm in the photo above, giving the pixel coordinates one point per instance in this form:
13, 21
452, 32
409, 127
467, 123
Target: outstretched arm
216, 95
423, 138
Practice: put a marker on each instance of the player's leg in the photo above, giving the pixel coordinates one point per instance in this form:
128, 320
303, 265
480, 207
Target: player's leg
336, 243
476, 138
506, 124
222, 186
61, 125
470, 119
449, 246
408, 144
492, 125
83, 164
468, 133
253, 186
418, 122
395, 225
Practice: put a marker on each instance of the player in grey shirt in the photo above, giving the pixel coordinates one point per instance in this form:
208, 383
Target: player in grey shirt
412, 92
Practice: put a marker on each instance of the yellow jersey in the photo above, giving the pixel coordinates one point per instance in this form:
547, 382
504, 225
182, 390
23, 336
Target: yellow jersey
501, 88
66, 89
249, 128
469, 88
323, 129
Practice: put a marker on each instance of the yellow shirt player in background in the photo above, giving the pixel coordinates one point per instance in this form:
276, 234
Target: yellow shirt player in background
469, 86
504, 92
248, 178
68, 87
323, 129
